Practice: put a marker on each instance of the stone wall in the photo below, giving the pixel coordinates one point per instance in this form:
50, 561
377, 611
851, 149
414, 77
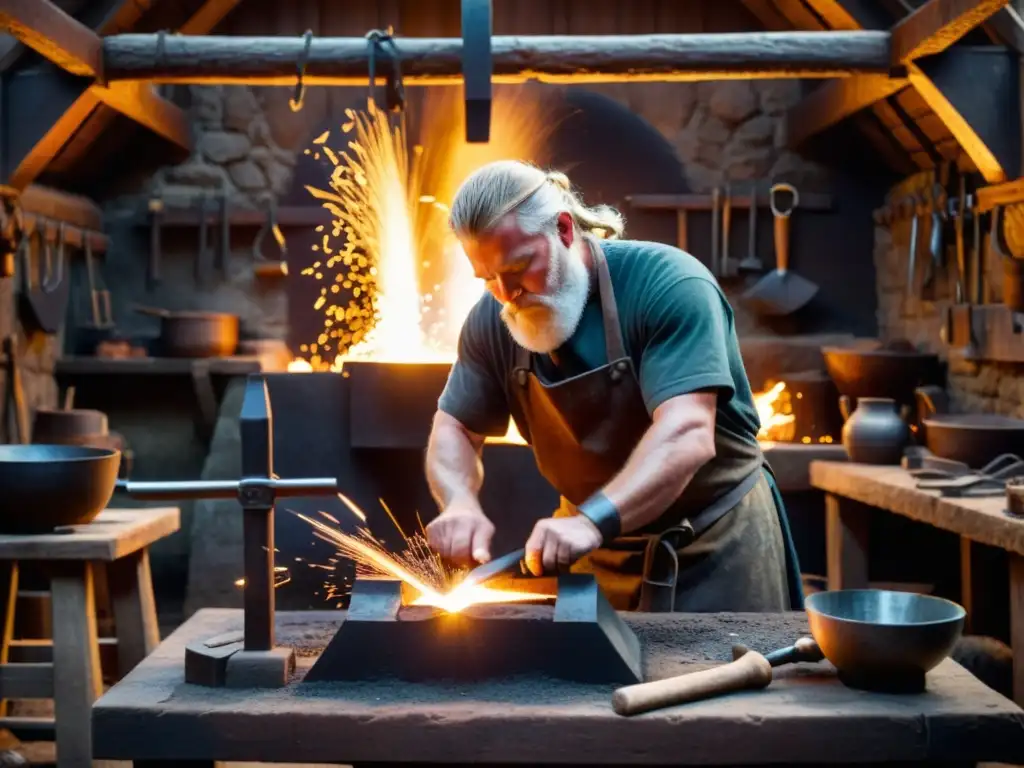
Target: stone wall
247, 140
985, 387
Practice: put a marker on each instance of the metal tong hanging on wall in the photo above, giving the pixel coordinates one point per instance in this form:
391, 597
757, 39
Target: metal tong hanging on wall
262, 266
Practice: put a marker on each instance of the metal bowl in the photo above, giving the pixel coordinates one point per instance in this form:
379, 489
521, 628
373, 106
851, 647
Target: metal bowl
883, 640
45, 487
867, 368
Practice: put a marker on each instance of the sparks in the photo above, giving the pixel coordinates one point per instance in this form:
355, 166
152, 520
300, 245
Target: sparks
418, 566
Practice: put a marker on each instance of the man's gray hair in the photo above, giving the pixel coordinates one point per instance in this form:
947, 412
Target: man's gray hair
537, 197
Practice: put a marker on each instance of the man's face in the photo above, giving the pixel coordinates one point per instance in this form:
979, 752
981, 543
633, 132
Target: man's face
540, 281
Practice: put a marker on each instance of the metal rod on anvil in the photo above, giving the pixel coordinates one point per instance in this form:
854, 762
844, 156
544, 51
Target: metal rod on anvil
204, 59
225, 489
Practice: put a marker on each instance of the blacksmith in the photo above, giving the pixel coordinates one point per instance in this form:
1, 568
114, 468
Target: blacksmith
619, 362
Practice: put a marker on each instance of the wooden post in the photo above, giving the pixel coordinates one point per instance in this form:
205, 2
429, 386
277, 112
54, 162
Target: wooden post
1017, 624
846, 542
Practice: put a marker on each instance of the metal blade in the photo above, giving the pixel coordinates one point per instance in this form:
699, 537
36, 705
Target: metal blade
499, 565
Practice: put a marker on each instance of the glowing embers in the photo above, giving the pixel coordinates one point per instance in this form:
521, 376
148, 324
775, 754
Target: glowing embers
580, 638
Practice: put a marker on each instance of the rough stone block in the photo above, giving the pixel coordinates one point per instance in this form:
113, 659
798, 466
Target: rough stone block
260, 669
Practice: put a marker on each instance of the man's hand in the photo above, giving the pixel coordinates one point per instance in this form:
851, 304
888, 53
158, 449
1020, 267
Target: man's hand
461, 534
558, 542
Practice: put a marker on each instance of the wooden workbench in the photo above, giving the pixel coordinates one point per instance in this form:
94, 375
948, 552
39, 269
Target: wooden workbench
69, 672
805, 716
852, 490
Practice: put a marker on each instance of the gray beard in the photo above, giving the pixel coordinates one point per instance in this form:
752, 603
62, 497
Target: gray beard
552, 318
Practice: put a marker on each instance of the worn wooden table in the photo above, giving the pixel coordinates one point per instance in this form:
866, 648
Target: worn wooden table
852, 490
118, 540
805, 716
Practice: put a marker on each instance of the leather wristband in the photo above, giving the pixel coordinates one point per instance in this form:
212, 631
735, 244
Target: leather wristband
600, 510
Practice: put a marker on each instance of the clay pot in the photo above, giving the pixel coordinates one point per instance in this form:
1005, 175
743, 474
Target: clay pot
68, 427
874, 433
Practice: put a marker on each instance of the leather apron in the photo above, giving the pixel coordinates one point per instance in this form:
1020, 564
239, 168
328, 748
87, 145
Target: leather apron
583, 430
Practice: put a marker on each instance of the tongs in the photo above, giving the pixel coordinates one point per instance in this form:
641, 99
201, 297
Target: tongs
990, 480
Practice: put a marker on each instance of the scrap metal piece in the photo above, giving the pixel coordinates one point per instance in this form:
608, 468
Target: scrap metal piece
581, 639
477, 68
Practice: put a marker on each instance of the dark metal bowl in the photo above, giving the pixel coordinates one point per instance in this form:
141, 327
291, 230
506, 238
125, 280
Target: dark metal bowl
866, 368
882, 640
49, 486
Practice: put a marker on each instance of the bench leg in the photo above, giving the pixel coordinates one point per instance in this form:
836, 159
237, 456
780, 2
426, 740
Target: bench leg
8, 609
1017, 625
135, 620
77, 680
846, 542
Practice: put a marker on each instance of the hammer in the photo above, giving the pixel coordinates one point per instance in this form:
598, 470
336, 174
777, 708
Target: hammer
747, 671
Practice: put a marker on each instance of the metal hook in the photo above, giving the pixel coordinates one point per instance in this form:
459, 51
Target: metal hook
300, 70
997, 235
269, 226
395, 88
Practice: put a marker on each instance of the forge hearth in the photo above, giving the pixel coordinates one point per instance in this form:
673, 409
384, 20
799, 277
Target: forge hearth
578, 638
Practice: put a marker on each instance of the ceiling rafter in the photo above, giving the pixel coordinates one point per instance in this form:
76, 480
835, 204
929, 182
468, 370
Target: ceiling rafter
29, 20
927, 30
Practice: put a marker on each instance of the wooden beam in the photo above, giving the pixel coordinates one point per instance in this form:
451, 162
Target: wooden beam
209, 15
51, 32
766, 13
938, 24
575, 59
51, 107
975, 92
834, 101
141, 103
834, 14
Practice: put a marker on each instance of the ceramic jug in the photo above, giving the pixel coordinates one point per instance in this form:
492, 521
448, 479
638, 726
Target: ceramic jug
875, 432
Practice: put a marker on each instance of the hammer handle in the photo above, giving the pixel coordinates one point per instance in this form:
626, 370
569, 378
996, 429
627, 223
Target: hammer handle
749, 672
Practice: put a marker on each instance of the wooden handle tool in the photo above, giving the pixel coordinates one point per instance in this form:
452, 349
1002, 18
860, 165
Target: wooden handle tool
749, 672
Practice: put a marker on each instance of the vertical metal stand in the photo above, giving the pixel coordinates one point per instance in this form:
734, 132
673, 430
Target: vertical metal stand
257, 432
251, 659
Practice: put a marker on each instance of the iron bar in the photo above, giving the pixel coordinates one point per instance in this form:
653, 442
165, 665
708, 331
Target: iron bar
548, 58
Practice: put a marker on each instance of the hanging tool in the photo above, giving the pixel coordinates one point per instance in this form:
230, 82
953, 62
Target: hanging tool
224, 252
750, 262
961, 268
16, 411
935, 245
747, 671
477, 68
263, 266
977, 254
716, 196
912, 203
1013, 268
726, 265
10, 232
199, 266
156, 215
781, 292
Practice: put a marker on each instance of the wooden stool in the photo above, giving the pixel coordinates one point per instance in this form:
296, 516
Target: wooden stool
67, 669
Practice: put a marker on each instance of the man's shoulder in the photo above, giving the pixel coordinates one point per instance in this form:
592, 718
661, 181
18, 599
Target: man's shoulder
643, 272
640, 259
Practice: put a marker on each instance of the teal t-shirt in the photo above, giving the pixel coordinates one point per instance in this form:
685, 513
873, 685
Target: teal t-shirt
677, 327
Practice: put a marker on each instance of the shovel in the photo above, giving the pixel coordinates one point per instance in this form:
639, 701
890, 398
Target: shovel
781, 292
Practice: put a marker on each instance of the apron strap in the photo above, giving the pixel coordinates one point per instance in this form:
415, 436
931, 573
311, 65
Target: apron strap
615, 346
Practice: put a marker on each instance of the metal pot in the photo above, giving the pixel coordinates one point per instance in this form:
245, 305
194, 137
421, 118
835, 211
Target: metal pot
870, 369
875, 432
973, 439
65, 427
195, 334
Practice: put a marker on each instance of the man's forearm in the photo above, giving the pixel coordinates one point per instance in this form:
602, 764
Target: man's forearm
661, 466
453, 466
